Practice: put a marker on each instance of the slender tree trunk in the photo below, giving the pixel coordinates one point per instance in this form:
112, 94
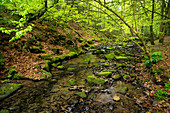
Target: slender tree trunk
151, 26
140, 38
132, 2
162, 38
161, 26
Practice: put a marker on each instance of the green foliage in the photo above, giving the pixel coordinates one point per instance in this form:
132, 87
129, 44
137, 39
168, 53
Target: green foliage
167, 85
4, 111
5, 81
12, 73
161, 95
82, 94
72, 81
155, 57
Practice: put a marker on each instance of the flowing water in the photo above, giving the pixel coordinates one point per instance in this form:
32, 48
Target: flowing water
58, 95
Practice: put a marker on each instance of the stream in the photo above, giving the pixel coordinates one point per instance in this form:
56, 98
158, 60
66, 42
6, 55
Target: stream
56, 95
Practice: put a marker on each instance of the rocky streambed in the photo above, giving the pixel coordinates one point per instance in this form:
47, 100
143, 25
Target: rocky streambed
102, 80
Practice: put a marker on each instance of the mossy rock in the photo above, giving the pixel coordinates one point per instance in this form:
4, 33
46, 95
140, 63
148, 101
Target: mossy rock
87, 60
110, 56
45, 74
8, 89
99, 52
121, 58
95, 80
121, 65
132, 58
73, 54
110, 48
106, 74
64, 57
2, 60
70, 68
55, 64
116, 52
116, 77
60, 67
105, 64
91, 47
72, 81
140, 43
55, 59
4, 111
82, 94
47, 66
45, 56
125, 77
123, 90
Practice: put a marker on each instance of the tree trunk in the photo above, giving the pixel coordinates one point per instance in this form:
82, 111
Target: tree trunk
140, 38
161, 26
162, 39
151, 26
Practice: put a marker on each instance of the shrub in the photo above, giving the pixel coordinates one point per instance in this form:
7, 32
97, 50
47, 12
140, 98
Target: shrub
161, 95
155, 57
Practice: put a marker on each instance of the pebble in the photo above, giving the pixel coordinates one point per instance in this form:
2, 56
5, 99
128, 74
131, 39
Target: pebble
116, 98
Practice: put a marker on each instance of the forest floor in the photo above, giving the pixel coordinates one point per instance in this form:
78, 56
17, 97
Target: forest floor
24, 56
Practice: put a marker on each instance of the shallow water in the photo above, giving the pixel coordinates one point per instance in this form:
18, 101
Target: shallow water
57, 95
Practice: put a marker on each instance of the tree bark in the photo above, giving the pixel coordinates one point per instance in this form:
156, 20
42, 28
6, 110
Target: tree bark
161, 25
151, 26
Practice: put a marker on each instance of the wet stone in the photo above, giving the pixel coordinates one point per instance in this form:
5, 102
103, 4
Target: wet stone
116, 98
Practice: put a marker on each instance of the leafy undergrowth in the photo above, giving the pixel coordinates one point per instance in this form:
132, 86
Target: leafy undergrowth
157, 80
31, 55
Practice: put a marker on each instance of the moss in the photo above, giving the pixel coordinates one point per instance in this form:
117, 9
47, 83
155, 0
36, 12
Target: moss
123, 90
99, 52
4, 111
55, 59
60, 67
121, 65
106, 74
125, 77
72, 81
116, 52
45, 74
87, 60
47, 66
91, 46
73, 54
8, 89
70, 68
116, 77
63, 57
121, 58
104, 64
82, 94
95, 80
46, 56
110, 56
